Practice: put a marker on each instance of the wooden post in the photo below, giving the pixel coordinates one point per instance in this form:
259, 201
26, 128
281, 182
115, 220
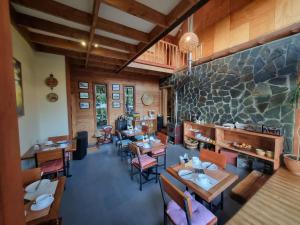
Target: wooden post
11, 192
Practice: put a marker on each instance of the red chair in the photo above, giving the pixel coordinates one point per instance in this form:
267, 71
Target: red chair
183, 208
162, 151
143, 163
51, 161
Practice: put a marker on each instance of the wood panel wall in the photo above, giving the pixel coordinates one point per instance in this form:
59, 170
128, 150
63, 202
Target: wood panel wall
84, 119
252, 19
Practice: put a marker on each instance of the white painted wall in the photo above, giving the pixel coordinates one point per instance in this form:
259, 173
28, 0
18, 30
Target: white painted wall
42, 118
53, 116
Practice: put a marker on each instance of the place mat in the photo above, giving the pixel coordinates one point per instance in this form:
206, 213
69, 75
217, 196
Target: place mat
49, 189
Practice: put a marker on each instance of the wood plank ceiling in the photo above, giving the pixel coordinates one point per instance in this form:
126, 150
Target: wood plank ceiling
101, 35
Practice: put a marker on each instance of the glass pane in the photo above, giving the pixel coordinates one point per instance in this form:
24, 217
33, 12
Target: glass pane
129, 99
101, 105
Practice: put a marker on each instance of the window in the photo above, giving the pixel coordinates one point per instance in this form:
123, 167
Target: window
101, 105
129, 99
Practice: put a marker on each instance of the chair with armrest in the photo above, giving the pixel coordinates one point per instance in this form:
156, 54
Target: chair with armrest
163, 151
51, 161
210, 156
31, 175
143, 163
183, 208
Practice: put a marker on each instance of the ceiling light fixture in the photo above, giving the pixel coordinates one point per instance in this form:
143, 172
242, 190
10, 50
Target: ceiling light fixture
83, 43
96, 45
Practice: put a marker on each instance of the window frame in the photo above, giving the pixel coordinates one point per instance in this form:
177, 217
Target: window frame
134, 96
107, 103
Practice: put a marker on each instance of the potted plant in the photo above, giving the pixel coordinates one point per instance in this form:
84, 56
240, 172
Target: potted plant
292, 161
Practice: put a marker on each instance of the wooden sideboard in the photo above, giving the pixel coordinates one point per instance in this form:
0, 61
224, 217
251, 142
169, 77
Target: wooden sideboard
223, 137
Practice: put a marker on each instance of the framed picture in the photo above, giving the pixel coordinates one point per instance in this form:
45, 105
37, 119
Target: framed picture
19, 87
83, 85
116, 96
84, 105
83, 95
116, 104
116, 87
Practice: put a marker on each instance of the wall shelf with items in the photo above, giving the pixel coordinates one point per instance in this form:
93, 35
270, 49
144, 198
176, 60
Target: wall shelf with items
238, 140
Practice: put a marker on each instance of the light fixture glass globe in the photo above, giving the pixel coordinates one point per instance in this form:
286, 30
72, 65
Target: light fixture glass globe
188, 42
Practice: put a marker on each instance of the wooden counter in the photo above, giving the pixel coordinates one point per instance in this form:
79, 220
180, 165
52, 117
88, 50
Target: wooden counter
276, 203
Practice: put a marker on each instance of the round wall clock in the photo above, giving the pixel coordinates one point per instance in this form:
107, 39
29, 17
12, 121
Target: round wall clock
52, 97
51, 81
147, 99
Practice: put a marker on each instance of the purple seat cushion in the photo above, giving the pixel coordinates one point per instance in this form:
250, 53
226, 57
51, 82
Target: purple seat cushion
145, 161
52, 166
201, 215
158, 151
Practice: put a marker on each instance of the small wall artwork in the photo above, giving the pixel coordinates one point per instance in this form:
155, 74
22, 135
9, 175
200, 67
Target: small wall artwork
83, 85
19, 87
83, 95
116, 96
116, 104
84, 105
116, 87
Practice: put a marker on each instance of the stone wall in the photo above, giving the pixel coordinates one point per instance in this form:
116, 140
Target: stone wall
252, 86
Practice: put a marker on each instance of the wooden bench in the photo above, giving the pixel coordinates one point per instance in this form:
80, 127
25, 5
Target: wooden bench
245, 189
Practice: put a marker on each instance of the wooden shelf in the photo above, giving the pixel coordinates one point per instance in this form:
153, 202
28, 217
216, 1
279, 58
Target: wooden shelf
250, 152
193, 137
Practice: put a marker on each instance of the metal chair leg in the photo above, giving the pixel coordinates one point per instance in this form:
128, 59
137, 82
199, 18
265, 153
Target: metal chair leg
165, 160
156, 174
222, 201
165, 218
131, 171
141, 181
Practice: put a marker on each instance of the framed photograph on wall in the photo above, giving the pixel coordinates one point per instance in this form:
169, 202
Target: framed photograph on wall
116, 87
116, 96
83, 85
116, 104
84, 105
83, 95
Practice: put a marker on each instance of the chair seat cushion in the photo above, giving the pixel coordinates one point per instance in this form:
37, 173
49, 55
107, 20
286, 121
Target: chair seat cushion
52, 166
125, 142
145, 161
201, 215
139, 137
158, 152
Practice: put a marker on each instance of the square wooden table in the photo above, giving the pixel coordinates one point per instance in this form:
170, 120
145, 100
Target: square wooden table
224, 177
132, 133
153, 147
34, 218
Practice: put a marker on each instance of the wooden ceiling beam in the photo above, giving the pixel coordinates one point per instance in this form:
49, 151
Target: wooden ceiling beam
102, 65
75, 46
181, 12
139, 10
69, 13
96, 8
55, 28
77, 55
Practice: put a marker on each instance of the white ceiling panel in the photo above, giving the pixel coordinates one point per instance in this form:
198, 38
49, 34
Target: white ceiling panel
162, 6
118, 16
83, 5
116, 36
52, 35
45, 16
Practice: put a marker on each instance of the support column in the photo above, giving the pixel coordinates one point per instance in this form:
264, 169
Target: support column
11, 191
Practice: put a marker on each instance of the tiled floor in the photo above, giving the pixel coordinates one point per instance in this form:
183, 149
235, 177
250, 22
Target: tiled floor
101, 192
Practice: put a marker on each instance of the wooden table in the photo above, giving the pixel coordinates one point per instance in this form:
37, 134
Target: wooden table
30, 154
154, 146
53, 214
225, 180
276, 203
129, 134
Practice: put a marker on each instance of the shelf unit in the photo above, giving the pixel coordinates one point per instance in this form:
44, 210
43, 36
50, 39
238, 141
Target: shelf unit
225, 136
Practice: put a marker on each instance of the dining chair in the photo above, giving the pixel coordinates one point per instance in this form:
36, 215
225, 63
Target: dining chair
51, 161
31, 175
162, 151
182, 208
143, 163
211, 156
122, 144
219, 159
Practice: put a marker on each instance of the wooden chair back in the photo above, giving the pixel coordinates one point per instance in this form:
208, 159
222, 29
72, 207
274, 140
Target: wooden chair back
210, 156
59, 138
162, 137
145, 129
31, 175
134, 149
45, 156
176, 195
